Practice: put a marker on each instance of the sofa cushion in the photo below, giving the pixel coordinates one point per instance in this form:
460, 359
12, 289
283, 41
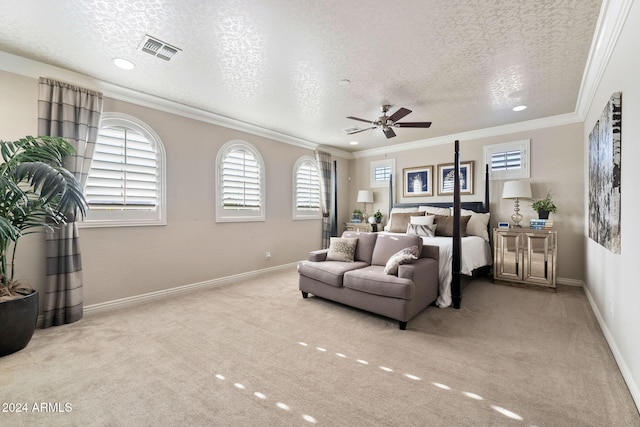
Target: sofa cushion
329, 272
364, 248
389, 244
342, 249
403, 256
372, 280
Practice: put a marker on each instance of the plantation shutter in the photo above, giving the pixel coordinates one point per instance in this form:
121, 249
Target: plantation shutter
381, 173
123, 172
506, 160
307, 188
241, 181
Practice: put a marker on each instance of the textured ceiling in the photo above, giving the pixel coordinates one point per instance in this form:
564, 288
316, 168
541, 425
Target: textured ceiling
277, 64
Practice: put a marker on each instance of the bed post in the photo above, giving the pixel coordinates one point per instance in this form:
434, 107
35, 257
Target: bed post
486, 188
456, 295
390, 196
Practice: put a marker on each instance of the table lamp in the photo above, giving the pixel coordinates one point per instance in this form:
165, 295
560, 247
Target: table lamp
516, 190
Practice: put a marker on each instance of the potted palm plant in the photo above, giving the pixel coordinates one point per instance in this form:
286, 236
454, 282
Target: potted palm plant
36, 194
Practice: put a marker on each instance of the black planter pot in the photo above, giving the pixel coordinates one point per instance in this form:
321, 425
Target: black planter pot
18, 319
543, 214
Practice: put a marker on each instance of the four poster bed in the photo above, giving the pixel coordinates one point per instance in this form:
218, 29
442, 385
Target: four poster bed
461, 232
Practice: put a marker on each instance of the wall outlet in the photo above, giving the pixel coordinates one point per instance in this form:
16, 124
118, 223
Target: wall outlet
267, 255
611, 309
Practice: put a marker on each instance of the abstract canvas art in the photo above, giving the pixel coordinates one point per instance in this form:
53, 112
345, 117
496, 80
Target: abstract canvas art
604, 176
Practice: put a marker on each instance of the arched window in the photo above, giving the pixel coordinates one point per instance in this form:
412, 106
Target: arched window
126, 182
240, 189
306, 189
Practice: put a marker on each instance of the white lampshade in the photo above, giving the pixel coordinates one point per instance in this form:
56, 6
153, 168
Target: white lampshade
516, 190
365, 196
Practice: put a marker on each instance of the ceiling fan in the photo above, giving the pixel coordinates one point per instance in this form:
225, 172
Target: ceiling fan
386, 123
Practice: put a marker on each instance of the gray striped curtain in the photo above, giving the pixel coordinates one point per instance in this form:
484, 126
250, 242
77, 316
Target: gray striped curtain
72, 113
324, 164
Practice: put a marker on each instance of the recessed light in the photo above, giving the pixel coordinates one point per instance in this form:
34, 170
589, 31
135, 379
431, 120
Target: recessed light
520, 108
124, 64
344, 82
353, 143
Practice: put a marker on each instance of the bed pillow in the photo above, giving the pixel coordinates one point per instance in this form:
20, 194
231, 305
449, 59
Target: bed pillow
434, 210
403, 256
445, 225
398, 210
478, 224
342, 249
422, 230
399, 221
422, 220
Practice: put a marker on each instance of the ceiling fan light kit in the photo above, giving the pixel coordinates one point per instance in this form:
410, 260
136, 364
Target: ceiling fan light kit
386, 123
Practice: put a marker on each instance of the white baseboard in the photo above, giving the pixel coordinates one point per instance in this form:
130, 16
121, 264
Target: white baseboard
570, 282
138, 299
624, 369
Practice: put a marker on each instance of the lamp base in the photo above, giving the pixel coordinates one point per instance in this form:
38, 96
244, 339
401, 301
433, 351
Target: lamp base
516, 217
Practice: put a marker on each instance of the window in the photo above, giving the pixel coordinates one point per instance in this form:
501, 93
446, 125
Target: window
306, 189
240, 189
509, 160
126, 180
381, 171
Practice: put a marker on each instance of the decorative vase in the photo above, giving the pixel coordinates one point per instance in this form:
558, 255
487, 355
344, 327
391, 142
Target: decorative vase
542, 214
18, 318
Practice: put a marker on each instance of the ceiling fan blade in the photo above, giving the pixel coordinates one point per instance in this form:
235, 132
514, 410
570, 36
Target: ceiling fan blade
412, 125
357, 118
399, 114
389, 133
361, 130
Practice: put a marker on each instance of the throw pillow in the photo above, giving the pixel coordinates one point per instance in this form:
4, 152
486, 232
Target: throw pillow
342, 249
422, 230
403, 256
422, 220
478, 224
397, 210
445, 225
398, 222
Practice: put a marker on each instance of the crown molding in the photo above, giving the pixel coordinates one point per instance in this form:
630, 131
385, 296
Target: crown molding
35, 69
560, 120
613, 15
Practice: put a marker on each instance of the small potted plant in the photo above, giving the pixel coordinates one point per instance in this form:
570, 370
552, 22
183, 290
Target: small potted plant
544, 206
378, 216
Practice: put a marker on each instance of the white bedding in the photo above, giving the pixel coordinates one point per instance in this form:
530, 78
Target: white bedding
476, 253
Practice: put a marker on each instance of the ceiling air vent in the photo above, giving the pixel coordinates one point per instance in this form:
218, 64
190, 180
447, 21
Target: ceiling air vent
158, 48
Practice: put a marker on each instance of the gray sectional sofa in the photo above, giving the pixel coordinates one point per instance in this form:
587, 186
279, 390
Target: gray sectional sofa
363, 283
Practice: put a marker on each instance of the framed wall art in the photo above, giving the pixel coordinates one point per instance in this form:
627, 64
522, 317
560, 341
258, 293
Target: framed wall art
446, 176
605, 174
417, 182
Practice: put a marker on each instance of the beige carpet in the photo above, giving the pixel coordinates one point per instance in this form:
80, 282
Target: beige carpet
256, 354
